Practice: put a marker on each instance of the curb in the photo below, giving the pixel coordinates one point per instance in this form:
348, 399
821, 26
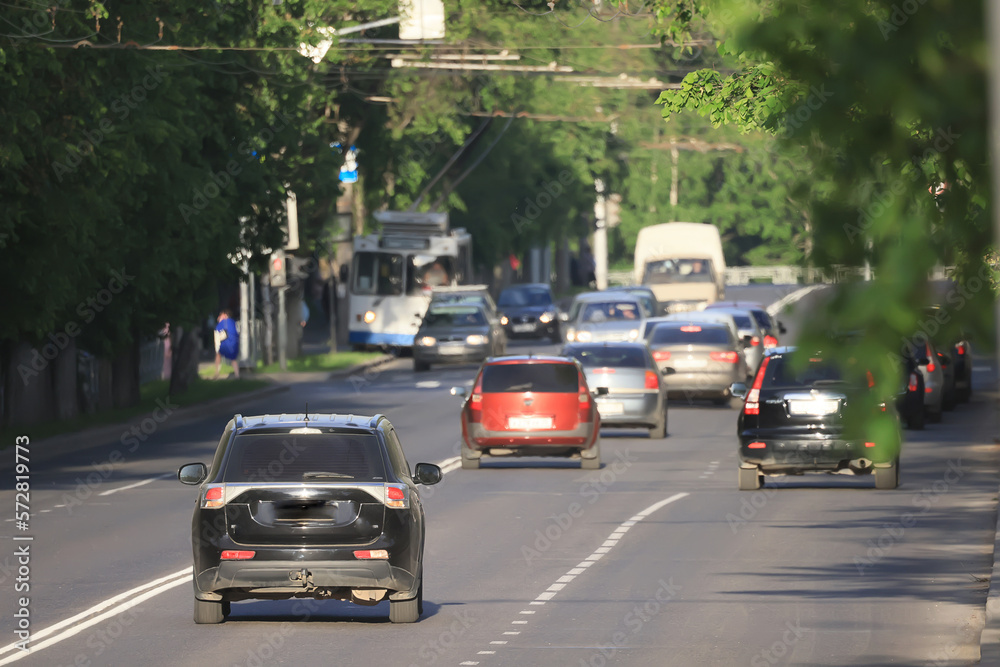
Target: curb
80, 440
297, 377
989, 639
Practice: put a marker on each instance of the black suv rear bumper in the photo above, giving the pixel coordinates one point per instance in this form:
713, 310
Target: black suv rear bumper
811, 454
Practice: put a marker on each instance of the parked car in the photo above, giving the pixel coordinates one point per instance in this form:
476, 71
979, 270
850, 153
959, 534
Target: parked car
629, 386
910, 402
466, 294
317, 506
797, 420
456, 333
747, 326
529, 311
701, 359
771, 327
604, 316
963, 370
530, 406
645, 295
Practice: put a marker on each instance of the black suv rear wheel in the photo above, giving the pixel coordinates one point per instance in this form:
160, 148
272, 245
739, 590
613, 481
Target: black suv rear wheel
210, 611
749, 479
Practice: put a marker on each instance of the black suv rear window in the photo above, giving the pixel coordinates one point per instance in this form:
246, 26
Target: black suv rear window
690, 334
294, 457
538, 377
781, 373
618, 357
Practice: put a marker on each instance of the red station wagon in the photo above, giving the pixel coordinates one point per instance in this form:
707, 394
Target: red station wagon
530, 406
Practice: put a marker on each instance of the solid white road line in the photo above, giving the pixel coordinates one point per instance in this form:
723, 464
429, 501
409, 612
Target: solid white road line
787, 300
128, 599
87, 618
132, 486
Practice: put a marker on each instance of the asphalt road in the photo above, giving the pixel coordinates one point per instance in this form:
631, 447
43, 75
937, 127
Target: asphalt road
656, 559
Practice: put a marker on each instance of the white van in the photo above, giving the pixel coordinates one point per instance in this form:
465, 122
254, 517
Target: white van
682, 262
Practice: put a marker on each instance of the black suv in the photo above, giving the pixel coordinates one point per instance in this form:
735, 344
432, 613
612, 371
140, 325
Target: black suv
796, 420
316, 506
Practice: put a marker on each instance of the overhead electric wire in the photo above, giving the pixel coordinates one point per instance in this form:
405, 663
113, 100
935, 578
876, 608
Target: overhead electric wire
468, 171
451, 161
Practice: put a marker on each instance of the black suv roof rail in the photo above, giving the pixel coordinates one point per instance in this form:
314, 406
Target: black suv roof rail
238, 419
373, 422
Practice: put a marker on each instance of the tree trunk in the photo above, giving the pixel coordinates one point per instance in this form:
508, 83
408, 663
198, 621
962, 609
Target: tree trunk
28, 390
125, 377
64, 382
186, 351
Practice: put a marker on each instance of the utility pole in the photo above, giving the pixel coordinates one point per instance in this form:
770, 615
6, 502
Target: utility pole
601, 237
282, 330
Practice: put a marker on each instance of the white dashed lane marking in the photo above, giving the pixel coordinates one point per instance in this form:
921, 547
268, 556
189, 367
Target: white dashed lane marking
606, 546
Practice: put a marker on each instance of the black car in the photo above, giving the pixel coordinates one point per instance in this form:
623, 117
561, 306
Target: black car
308, 506
529, 311
800, 419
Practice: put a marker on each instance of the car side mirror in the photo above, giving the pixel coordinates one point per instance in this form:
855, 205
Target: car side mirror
461, 392
668, 370
601, 391
747, 340
781, 328
427, 473
923, 361
738, 390
192, 473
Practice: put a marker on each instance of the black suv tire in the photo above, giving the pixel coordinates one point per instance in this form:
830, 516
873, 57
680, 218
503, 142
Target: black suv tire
209, 611
749, 479
405, 611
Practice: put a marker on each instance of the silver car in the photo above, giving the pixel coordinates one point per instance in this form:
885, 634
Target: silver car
705, 357
747, 325
631, 391
596, 317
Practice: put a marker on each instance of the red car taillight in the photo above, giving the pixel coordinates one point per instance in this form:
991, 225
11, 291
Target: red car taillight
960, 348
931, 367
476, 403
583, 397
871, 379
755, 341
652, 380
730, 356
752, 406
913, 382
231, 554
661, 355
770, 341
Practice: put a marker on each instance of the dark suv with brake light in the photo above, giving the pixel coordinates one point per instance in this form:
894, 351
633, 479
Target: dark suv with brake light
314, 506
808, 419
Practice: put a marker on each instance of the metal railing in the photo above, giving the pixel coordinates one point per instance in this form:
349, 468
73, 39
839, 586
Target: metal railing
786, 275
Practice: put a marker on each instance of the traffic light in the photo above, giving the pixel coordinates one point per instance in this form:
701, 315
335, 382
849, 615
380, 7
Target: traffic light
277, 269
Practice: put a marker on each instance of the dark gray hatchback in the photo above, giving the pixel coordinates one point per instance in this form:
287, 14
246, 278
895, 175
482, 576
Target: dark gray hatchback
317, 506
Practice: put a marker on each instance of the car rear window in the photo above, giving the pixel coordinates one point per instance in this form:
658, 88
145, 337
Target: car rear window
538, 377
292, 457
743, 321
617, 357
689, 334
763, 319
781, 373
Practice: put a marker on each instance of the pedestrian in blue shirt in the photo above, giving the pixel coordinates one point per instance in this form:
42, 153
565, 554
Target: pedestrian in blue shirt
227, 343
